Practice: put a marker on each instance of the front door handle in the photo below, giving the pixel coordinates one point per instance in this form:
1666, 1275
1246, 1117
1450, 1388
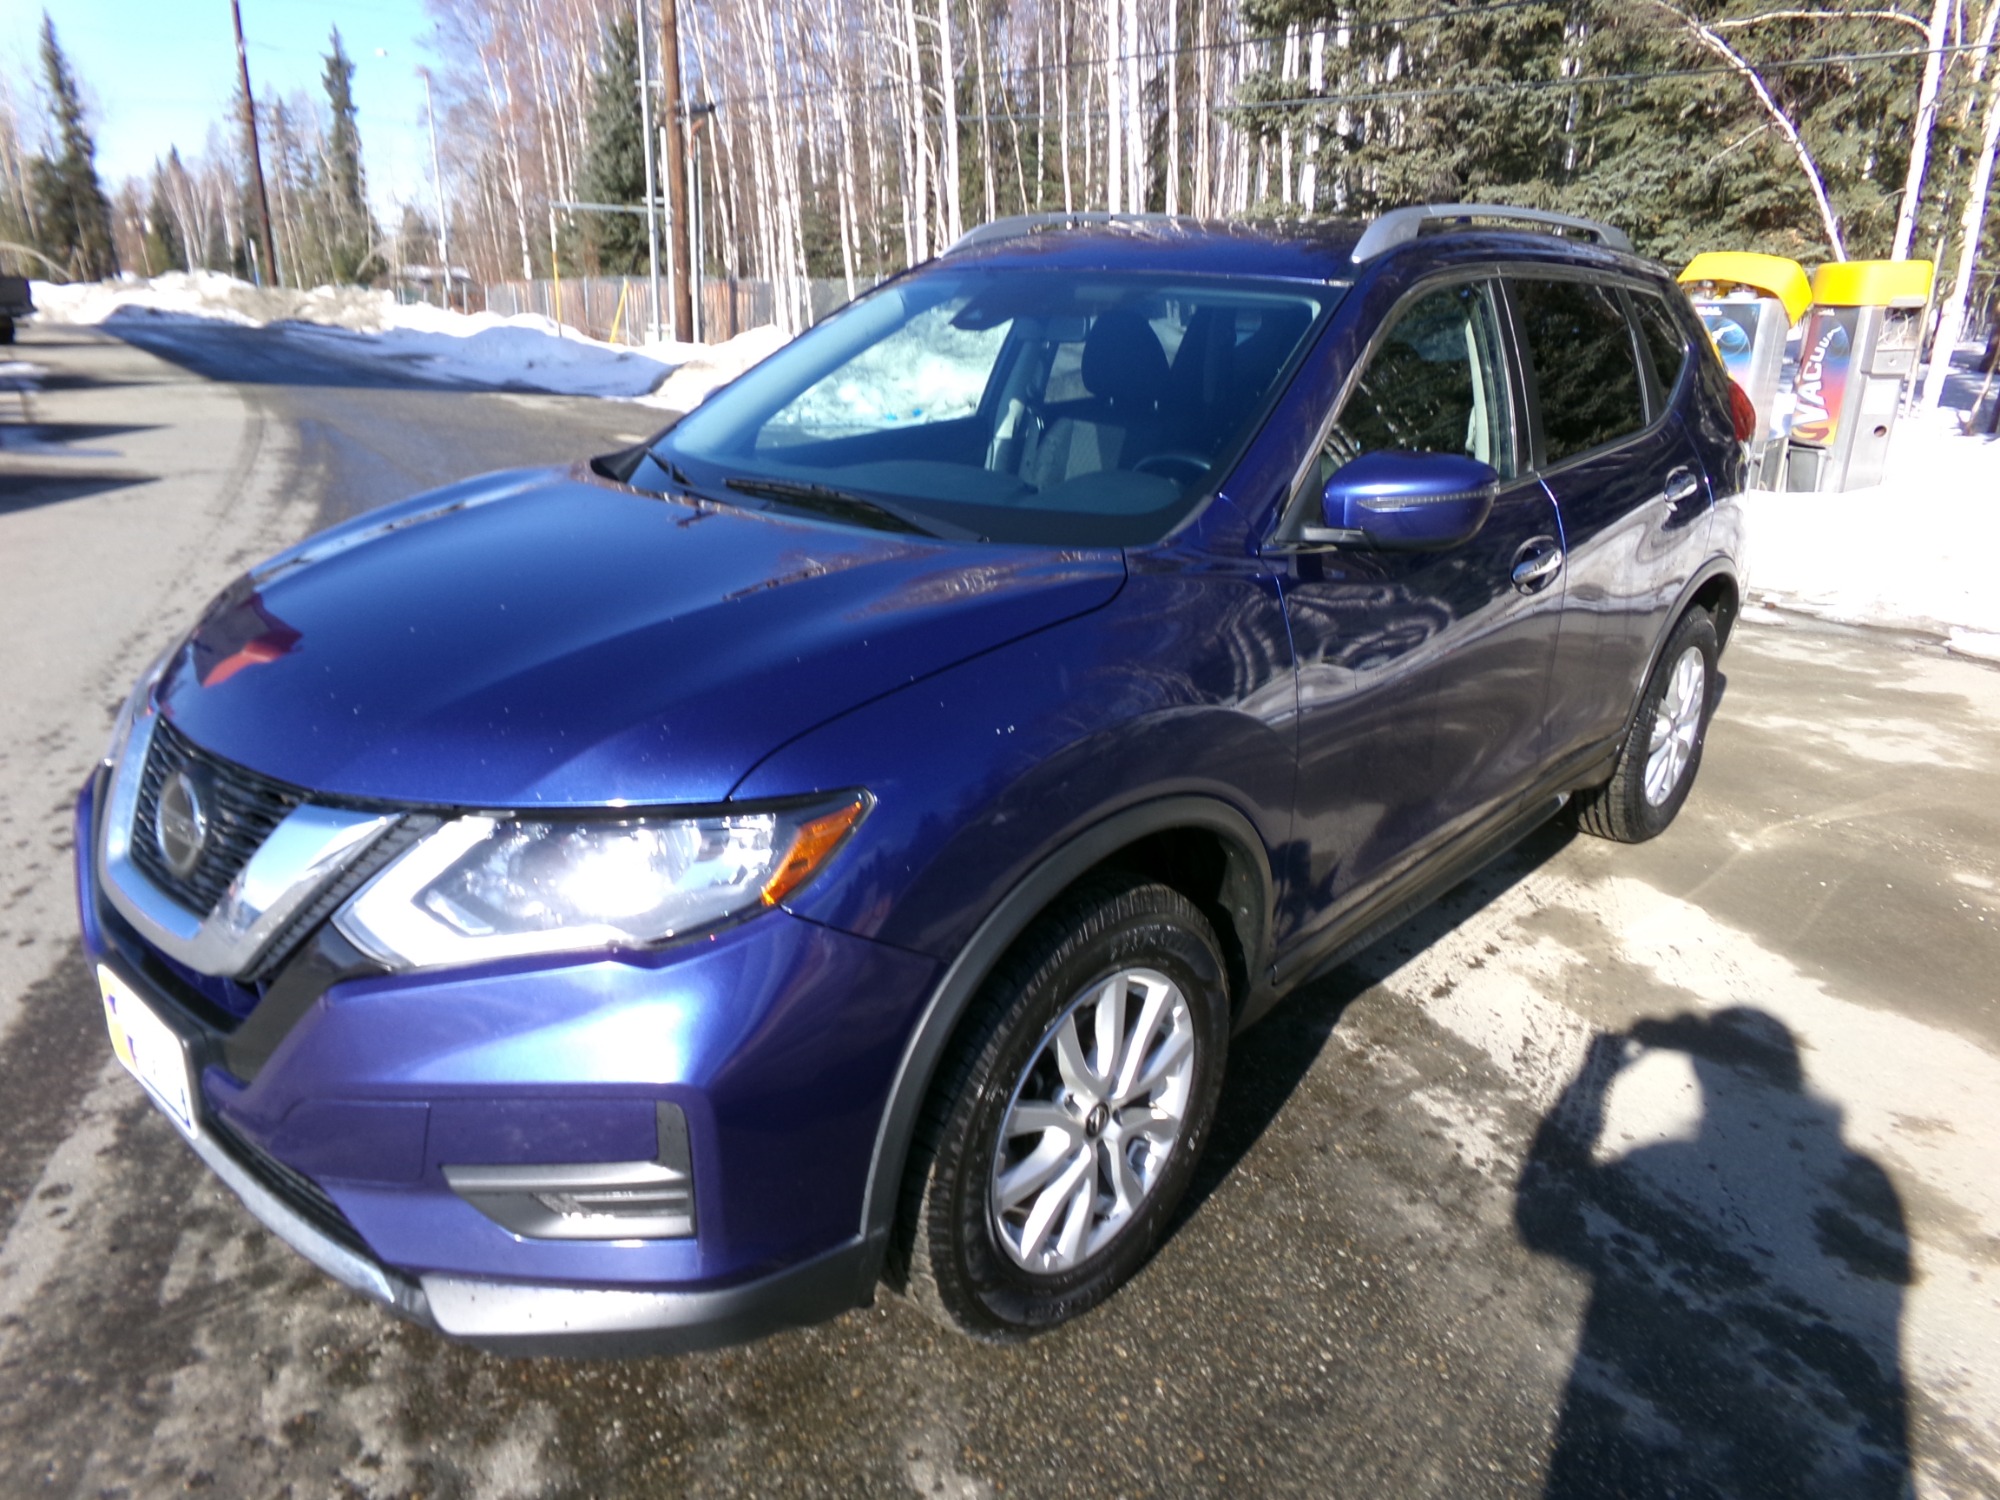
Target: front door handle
1682, 485
1538, 561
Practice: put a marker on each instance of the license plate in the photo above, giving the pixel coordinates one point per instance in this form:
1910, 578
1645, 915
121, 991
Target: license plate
150, 1049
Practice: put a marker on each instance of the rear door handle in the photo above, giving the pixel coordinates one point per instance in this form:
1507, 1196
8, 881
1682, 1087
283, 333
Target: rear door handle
1538, 561
1681, 485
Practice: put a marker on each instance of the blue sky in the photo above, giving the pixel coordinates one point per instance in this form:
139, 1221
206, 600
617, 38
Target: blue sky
159, 74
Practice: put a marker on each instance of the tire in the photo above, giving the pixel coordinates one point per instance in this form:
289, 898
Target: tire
1005, 1268
1662, 751
6, 330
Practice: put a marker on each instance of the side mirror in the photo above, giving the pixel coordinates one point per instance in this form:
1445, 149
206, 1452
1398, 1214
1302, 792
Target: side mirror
1407, 502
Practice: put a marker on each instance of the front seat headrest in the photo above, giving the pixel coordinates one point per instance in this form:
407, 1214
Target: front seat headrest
1123, 362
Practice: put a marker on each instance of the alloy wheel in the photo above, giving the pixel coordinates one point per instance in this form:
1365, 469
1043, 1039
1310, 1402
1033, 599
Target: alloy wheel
1093, 1120
1676, 726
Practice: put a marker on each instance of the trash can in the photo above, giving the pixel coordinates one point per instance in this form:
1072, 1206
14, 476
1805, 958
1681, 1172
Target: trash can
1860, 348
1749, 303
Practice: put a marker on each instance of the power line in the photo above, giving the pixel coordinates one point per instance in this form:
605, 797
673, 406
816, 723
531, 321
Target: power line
1389, 95
1783, 64
1304, 34
1530, 85
1093, 60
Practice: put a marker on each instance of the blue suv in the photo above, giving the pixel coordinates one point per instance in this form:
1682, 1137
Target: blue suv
643, 905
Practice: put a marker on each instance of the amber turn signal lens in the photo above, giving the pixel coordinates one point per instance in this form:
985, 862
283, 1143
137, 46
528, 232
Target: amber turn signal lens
815, 842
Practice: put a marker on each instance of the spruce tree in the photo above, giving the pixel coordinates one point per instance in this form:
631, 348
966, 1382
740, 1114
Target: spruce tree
164, 251
351, 228
1656, 136
614, 167
75, 214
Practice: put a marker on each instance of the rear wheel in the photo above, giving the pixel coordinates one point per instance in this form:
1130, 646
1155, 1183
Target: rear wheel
1073, 1112
6, 330
1662, 751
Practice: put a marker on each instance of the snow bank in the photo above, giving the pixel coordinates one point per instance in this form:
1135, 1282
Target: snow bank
475, 348
202, 294
487, 350
700, 368
1915, 552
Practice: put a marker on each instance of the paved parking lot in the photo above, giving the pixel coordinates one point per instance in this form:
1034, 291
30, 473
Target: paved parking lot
1649, 1171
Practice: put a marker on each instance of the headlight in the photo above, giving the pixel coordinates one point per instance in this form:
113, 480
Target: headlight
483, 887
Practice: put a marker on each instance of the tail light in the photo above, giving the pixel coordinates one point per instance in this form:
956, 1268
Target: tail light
1742, 413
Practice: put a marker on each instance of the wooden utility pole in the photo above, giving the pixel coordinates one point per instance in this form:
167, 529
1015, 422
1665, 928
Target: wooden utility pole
652, 196
674, 169
270, 266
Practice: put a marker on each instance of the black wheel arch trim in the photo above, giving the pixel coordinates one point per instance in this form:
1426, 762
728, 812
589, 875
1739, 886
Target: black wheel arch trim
1707, 573
953, 993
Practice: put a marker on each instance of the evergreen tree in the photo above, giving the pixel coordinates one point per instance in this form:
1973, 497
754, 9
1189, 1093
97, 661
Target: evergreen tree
351, 228
164, 251
614, 167
1659, 135
74, 212
416, 238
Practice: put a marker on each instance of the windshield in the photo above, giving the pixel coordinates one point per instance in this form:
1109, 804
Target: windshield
1071, 409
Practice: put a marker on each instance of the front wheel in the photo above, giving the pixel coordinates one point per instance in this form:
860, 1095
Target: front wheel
1066, 1129
1662, 751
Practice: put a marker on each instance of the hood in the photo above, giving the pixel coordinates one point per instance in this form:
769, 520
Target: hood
546, 639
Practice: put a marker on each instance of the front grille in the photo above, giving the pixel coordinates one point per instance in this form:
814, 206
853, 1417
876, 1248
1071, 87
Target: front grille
296, 1191
334, 895
242, 809
207, 1001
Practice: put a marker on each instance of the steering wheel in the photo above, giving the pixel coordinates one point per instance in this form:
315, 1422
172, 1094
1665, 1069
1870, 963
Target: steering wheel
1194, 464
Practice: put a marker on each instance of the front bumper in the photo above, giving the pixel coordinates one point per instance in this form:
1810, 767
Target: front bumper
776, 1041
524, 1318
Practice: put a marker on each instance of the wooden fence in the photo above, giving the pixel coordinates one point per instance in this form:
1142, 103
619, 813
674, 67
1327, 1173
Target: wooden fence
619, 309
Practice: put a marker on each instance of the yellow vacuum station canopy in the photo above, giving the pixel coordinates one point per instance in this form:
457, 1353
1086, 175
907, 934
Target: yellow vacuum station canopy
1781, 278
1872, 283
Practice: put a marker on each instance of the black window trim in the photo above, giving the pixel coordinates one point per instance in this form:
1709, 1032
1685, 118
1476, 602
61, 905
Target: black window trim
1508, 273
1284, 535
1667, 393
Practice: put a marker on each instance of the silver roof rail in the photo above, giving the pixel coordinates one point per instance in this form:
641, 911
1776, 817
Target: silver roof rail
1401, 225
1022, 225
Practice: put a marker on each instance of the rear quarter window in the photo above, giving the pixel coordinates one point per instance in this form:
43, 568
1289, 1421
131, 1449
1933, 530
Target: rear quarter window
1664, 336
1581, 358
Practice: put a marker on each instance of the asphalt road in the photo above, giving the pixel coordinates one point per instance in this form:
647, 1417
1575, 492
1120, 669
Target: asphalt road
1654, 1171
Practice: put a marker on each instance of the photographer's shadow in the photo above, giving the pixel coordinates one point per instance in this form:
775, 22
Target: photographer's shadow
1746, 1283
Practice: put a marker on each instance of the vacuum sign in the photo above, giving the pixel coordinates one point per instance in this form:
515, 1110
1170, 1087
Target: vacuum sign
1822, 382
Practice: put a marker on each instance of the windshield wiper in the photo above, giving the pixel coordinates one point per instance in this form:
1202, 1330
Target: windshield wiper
829, 501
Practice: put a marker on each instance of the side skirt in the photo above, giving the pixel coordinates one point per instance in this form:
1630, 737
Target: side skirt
1376, 916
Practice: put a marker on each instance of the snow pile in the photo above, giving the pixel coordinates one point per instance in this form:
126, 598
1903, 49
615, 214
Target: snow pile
212, 295
481, 349
701, 368
486, 350
1912, 553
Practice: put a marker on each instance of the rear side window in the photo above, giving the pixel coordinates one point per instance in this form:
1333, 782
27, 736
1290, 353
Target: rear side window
1665, 339
1579, 346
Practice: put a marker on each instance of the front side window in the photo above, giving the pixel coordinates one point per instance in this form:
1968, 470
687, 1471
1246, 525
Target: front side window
1434, 384
1586, 371
1091, 408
